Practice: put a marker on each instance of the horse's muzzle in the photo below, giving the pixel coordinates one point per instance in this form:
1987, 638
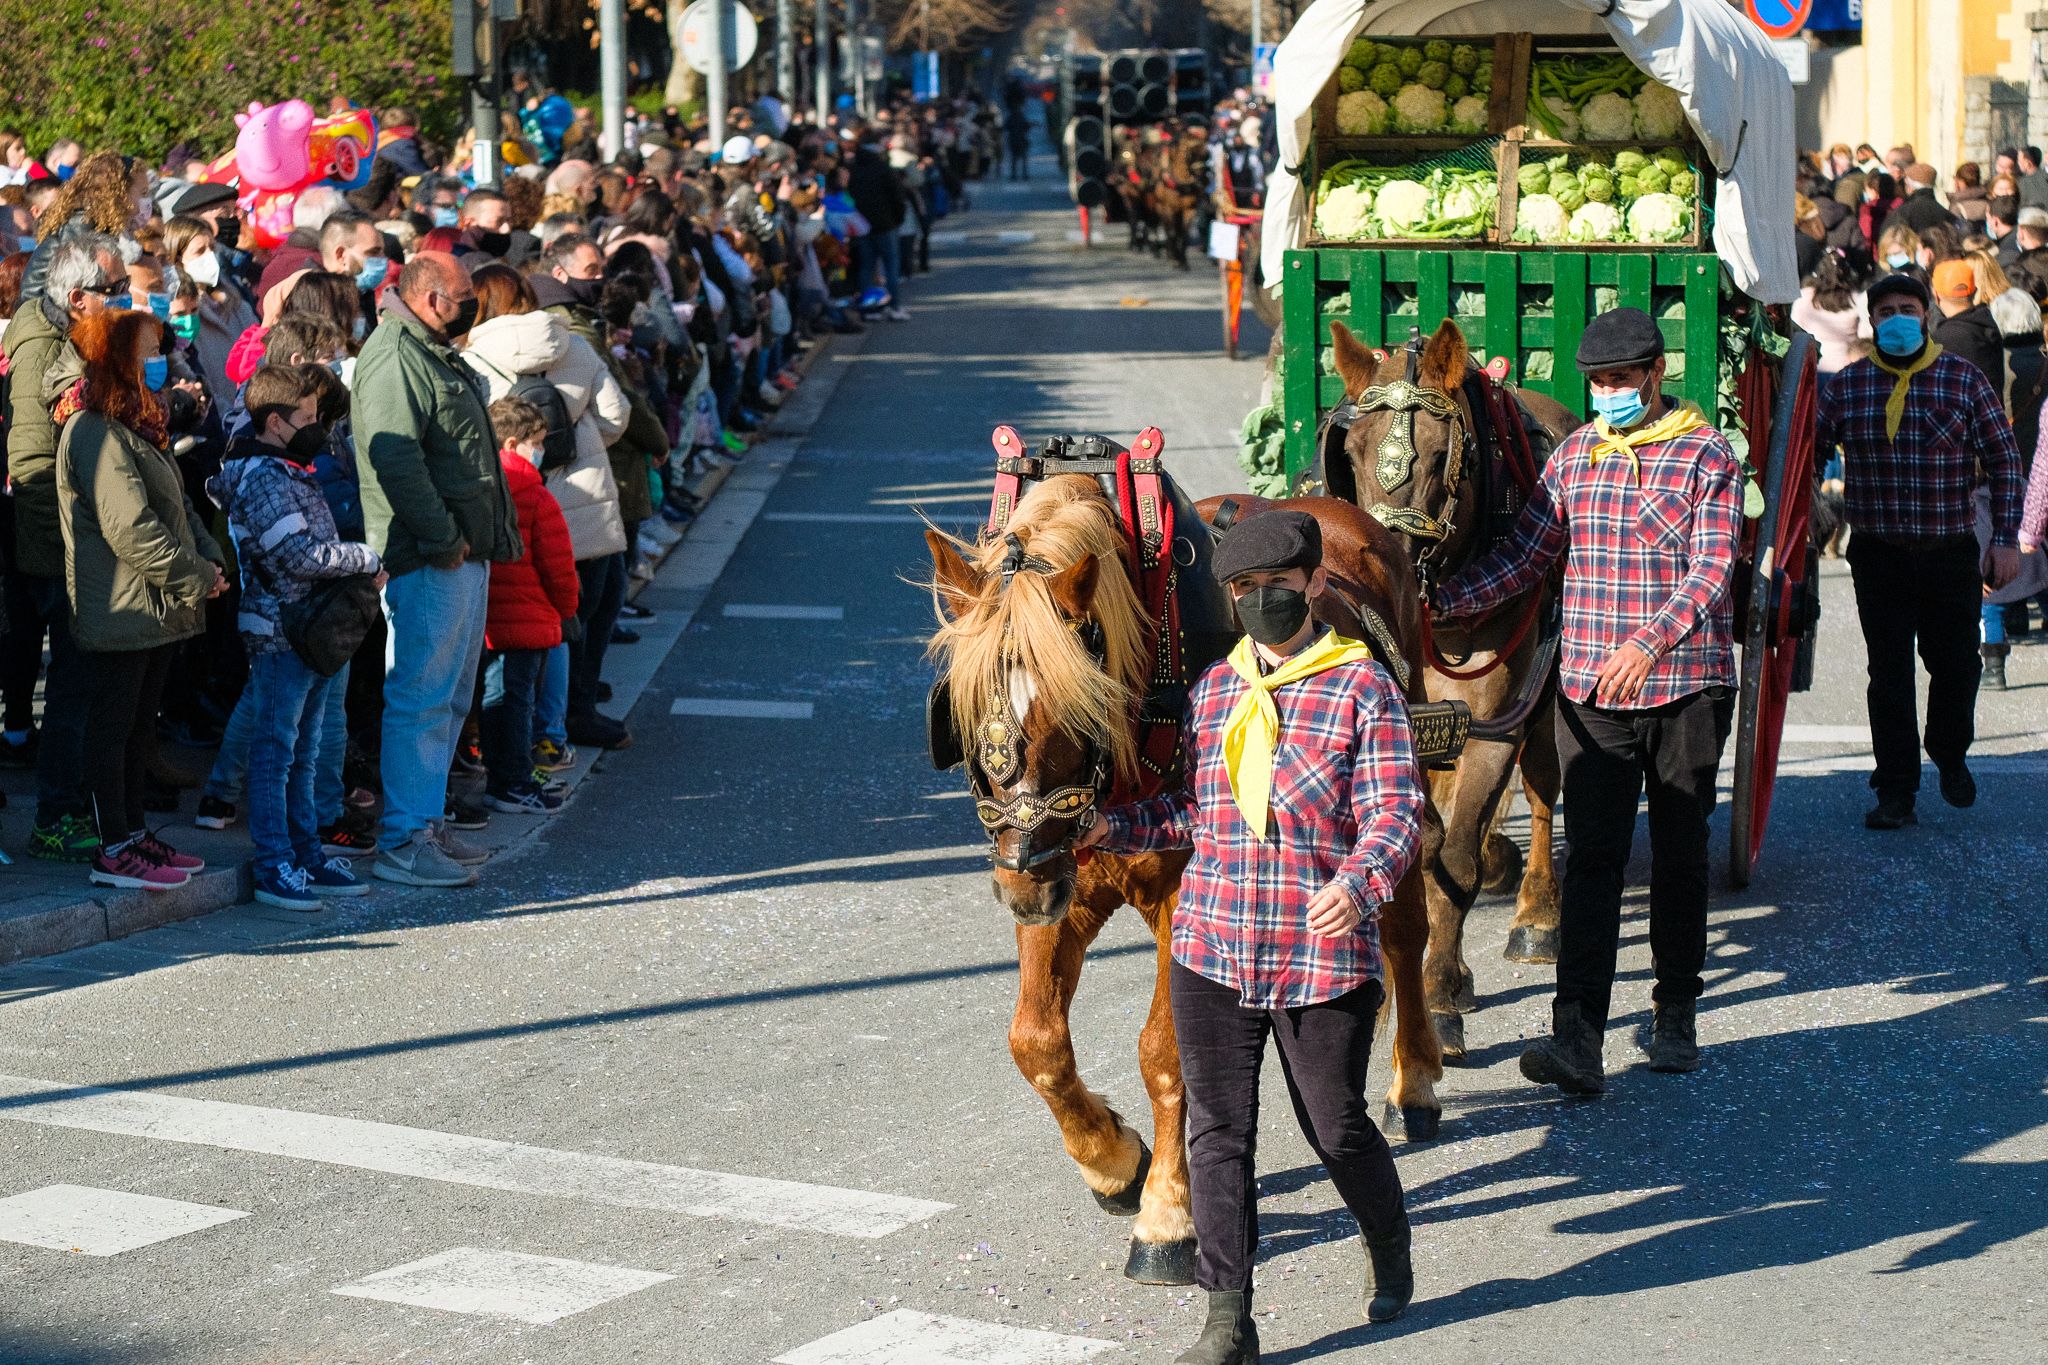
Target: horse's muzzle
1034, 902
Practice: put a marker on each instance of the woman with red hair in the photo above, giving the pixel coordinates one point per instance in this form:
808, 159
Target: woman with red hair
138, 575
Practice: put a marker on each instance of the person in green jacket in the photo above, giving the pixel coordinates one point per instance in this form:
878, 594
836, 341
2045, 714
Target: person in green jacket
84, 273
438, 514
137, 575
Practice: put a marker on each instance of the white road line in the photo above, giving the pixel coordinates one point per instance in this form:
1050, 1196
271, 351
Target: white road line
948, 238
502, 1284
732, 708
102, 1222
457, 1159
1827, 734
769, 611
848, 518
1016, 237
906, 1337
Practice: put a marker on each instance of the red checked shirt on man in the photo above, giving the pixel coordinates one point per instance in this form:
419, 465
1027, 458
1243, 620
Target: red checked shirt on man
1652, 556
1918, 485
1242, 918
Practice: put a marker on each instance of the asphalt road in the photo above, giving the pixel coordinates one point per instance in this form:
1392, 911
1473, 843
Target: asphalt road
716, 1072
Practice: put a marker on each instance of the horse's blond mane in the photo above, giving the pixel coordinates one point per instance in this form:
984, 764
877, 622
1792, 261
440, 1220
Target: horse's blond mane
1061, 521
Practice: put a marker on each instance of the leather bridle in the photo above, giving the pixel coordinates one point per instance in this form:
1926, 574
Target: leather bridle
1396, 456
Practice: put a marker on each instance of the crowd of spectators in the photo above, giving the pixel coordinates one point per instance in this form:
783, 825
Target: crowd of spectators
441, 427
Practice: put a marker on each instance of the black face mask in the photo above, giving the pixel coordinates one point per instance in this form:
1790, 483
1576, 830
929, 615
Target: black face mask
584, 291
494, 243
308, 441
465, 318
1273, 616
228, 232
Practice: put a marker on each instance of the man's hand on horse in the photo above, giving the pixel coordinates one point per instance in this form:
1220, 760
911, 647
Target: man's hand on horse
2002, 565
1331, 913
1097, 831
1621, 678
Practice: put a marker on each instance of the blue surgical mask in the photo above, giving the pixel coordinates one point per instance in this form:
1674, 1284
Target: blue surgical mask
160, 304
66, 172
372, 273
28, 243
1899, 334
1898, 260
445, 217
1623, 409
362, 327
156, 370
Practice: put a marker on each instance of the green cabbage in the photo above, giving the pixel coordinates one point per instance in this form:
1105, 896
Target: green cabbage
1630, 160
1670, 160
1433, 75
1436, 50
1349, 78
1626, 186
1384, 80
1533, 179
1456, 87
1464, 59
1598, 191
1652, 180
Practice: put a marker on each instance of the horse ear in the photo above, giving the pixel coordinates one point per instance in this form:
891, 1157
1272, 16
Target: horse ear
1073, 587
1444, 359
954, 581
1355, 365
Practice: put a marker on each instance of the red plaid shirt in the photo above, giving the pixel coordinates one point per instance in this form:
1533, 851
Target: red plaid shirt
1650, 563
1346, 807
1917, 486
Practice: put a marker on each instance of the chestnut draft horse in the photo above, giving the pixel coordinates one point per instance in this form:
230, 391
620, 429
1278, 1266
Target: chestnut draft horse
1416, 456
1044, 647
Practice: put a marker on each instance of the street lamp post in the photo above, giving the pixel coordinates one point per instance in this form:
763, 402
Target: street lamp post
785, 49
714, 79
611, 64
821, 61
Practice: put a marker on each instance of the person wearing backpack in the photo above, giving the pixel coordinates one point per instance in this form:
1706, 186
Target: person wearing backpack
287, 544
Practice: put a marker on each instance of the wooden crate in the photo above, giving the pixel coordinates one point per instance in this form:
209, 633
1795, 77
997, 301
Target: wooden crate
1508, 325
1391, 151
1504, 101
1512, 155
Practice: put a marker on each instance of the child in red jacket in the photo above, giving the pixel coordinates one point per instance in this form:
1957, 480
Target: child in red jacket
530, 598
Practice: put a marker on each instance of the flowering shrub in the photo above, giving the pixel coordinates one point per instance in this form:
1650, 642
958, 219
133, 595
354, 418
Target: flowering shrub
144, 75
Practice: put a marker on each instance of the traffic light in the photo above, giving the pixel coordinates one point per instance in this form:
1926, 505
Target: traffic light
1191, 82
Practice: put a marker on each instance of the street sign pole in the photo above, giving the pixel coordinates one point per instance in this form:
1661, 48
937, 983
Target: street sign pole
821, 62
611, 63
714, 79
856, 50
785, 51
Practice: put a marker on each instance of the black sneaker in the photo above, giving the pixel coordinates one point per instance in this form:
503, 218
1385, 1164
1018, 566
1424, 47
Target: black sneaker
215, 813
348, 838
599, 731
1893, 812
1674, 1044
463, 813
1958, 788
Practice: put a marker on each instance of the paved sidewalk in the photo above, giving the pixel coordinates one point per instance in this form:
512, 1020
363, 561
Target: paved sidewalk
50, 908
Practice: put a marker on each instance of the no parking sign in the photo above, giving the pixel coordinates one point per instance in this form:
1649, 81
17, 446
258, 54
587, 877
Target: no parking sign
1779, 18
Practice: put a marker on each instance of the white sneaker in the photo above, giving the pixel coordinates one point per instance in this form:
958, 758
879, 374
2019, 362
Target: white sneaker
641, 572
660, 532
648, 546
770, 395
898, 314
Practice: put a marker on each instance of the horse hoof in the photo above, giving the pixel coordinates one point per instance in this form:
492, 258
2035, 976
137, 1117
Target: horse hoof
1124, 1202
1450, 1034
1412, 1123
1161, 1262
1528, 944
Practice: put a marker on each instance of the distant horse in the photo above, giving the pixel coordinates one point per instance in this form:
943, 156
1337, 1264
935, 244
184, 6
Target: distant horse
1177, 184
1413, 458
1043, 648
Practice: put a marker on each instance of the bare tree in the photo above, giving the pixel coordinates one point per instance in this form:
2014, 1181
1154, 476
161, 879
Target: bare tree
942, 25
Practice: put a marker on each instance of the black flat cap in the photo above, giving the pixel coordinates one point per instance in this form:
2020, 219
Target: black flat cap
201, 196
1275, 539
1898, 284
1626, 336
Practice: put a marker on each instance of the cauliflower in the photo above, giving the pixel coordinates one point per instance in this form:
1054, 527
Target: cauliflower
1349, 78
1363, 54
1607, 117
1409, 59
1418, 109
1659, 218
1464, 59
1361, 114
1564, 116
1463, 201
1685, 185
1539, 218
1345, 213
1436, 50
1594, 222
1630, 161
1384, 80
1652, 180
1401, 203
1658, 115
1533, 178
1433, 75
1468, 115
1456, 87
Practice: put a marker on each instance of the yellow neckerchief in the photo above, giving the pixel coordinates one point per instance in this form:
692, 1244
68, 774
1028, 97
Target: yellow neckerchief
1895, 406
1682, 418
1254, 726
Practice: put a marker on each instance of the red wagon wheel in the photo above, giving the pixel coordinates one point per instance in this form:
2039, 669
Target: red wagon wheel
1783, 605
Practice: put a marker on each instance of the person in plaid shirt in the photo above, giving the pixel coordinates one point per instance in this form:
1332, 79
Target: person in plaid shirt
1916, 424
1643, 504
1303, 807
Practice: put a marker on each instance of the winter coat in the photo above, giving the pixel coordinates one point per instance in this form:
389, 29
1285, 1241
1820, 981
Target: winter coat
285, 538
533, 594
223, 321
1920, 211
539, 343
1973, 335
300, 251
37, 341
133, 564
424, 450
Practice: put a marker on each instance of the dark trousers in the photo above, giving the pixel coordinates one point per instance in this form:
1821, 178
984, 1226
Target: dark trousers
603, 580
1608, 758
510, 684
1928, 594
60, 763
123, 692
21, 647
1324, 1050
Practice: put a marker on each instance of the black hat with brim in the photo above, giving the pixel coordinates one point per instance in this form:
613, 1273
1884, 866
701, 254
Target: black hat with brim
201, 196
1266, 541
1623, 337
1900, 283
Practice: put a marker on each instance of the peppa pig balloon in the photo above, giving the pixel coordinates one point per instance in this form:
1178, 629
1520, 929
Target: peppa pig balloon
282, 150
272, 148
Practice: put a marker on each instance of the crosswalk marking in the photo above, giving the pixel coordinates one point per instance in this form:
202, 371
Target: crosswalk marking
905, 1337
770, 611
502, 1284
734, 708
452, 1157
1826, 734
102, 1222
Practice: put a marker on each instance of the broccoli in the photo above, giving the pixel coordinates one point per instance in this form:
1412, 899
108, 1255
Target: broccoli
1384, 80
1455, 87
1433, 75
1409, 59
1362, 55
1685, 185
1464, 59
1436, 50
1482, 79
1349, 78
1533, 179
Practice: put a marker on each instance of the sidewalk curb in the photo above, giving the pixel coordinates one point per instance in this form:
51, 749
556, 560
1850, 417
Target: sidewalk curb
40, 926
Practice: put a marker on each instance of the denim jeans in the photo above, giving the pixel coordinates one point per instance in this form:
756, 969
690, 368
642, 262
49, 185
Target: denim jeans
289, 703
551, 698
888, 250
510, 684
1993, 618
228, 779
437, 637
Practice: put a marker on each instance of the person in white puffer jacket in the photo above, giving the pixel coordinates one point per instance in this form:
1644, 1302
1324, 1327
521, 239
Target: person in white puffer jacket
512, 338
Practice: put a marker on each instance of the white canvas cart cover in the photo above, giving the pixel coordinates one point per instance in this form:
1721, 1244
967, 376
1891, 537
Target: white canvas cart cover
1735, 92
